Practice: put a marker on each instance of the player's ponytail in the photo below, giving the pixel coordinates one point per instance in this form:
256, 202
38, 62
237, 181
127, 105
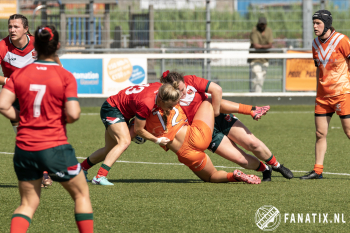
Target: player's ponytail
172, 78
46, 40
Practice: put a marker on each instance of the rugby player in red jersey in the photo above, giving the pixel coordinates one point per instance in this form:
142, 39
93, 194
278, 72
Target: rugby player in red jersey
47, 94
16, 51
115, 114
228, 130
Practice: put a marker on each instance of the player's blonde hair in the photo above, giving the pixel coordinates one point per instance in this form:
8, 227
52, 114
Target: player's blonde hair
168, 92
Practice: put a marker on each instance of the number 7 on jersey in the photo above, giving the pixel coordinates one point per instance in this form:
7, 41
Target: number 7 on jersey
41, 89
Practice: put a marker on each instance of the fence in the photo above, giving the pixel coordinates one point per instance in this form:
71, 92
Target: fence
182, 23
113, 72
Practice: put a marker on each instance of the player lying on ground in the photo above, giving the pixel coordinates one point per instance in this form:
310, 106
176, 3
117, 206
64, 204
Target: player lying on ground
228, 130
47, 94
189, 141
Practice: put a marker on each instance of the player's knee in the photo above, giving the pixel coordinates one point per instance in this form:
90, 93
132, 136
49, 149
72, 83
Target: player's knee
320, 134
253, 144
125, 143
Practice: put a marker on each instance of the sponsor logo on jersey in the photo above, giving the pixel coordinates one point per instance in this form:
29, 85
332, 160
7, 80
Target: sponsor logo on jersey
60, 174
41, 68
190, 92
228, 118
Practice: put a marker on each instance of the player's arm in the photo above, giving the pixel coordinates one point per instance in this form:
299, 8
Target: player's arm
7, 98
140, 130
3, 80
72, 110
317, 77
216, 94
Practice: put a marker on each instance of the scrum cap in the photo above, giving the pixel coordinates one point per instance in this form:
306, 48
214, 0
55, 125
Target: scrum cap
326, 17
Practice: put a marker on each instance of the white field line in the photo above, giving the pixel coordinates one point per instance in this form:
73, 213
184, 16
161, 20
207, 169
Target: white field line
180, 164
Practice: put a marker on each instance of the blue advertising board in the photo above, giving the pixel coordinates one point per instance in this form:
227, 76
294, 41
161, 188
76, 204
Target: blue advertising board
87, 72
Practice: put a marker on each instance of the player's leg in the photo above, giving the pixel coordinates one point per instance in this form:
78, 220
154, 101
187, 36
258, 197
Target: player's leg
242, 136
119, 133
205, 113
79, 191
210, 174
321, 123
30, 199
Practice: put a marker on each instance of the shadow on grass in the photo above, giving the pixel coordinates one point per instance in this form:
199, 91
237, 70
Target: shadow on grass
155, 181
8, 186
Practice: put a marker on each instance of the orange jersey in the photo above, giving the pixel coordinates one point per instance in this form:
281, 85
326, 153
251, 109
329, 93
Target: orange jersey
156, 125
332, 58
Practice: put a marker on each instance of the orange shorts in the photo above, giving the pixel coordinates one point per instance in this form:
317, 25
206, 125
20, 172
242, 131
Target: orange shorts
197, 140
327, 106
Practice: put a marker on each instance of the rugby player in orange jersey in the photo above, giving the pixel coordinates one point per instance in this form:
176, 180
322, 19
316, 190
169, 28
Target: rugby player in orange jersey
331, 53
47, 94
228, 130
189, 141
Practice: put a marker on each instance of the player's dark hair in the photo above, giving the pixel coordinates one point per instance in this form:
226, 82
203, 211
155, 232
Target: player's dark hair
173, 78
22, 18
46, 40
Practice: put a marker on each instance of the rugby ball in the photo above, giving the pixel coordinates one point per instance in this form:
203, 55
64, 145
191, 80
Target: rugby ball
139, 140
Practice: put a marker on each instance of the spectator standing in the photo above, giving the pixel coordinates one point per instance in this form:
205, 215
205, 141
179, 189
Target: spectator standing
260, 39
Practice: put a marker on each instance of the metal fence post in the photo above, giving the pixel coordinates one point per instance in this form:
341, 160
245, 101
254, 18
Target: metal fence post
284, 73
91, 25
208, 37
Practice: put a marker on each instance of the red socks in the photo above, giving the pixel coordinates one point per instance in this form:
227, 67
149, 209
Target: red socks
103, 171
86, 164
85, 222
19, 223
261, 168
272, 161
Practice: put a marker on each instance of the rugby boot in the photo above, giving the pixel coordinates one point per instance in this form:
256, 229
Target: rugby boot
286, 173
267, 174
46, 181
311, 175
101, 181
250, 179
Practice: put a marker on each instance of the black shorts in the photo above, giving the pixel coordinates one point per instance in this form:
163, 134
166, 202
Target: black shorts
110, 115
60, 162
222, 126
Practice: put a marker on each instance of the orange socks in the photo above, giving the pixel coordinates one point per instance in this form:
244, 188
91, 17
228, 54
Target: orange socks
231, 178
19, 223
318, 168
245, 109
85, 222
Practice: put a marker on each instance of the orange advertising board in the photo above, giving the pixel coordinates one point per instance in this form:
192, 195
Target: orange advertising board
300, 74
7, 8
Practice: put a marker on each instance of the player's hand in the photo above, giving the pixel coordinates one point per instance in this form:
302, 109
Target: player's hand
259, 112
163, 141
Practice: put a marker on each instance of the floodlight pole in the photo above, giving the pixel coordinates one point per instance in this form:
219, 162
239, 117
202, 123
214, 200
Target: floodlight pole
322, 4
208, 38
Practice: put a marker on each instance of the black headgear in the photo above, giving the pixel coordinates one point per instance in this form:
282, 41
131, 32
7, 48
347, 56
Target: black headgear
326, 17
